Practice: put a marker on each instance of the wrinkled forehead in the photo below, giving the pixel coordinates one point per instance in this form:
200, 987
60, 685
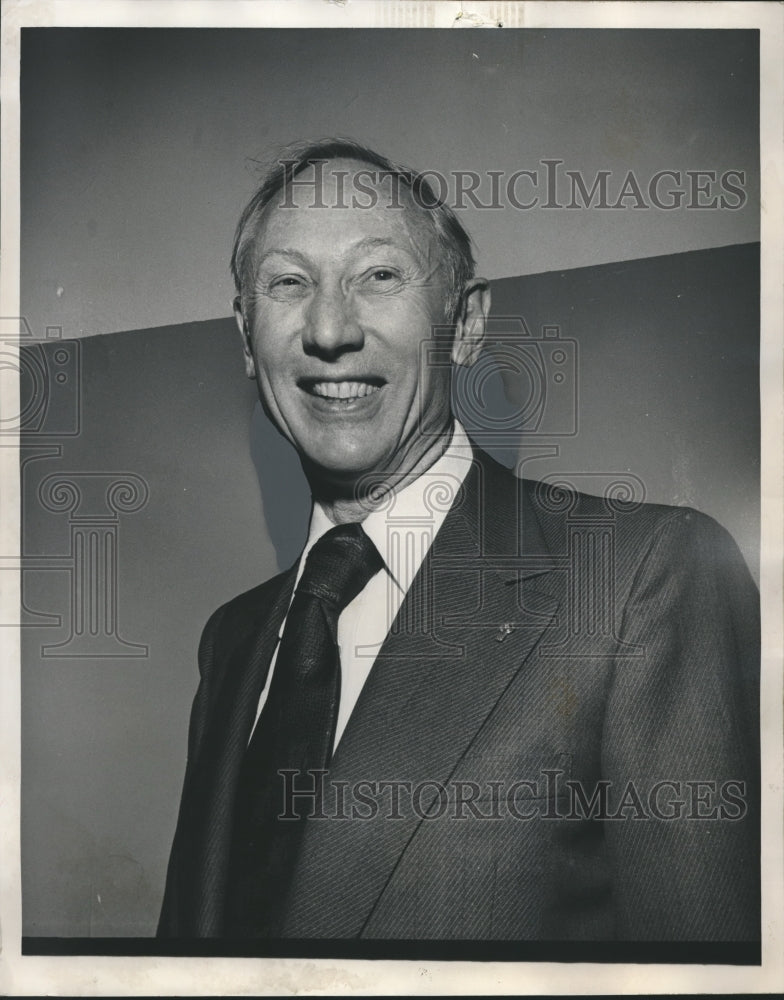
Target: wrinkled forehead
339, 202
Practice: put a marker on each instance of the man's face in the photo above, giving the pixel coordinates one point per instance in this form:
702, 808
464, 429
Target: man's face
343, 300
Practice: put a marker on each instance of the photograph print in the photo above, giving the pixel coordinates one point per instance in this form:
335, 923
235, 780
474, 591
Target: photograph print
389, 445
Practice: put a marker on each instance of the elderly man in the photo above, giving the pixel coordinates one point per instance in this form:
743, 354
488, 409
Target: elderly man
409, 734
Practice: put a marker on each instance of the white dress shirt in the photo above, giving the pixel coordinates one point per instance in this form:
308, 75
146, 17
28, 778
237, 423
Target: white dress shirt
402, 529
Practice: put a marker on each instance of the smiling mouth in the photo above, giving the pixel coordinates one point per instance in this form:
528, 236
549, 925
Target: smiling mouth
342, 390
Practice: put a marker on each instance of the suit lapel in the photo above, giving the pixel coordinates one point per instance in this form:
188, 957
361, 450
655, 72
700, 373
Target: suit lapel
212, 782
475, 615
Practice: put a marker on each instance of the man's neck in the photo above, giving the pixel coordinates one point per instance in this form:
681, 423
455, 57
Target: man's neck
345, 506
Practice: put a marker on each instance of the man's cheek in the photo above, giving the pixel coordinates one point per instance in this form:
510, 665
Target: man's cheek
273, 396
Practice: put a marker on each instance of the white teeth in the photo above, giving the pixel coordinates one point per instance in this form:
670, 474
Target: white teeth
343, 390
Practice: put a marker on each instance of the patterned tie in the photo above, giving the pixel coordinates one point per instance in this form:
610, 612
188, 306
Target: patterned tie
296, 731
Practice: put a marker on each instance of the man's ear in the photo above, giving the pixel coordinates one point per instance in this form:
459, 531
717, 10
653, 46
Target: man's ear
471, 322
250, 365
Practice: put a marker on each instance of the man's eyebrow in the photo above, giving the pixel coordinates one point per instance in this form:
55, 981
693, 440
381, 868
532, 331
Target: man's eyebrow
383, 242
370, 242
367, 243
282, 252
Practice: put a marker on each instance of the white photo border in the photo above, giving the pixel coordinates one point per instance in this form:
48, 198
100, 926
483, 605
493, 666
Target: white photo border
105, 975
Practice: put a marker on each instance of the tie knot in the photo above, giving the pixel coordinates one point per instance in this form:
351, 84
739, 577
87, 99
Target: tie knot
339, 565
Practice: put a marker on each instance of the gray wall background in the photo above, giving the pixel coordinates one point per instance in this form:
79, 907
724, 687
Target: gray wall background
134, 168
137, 145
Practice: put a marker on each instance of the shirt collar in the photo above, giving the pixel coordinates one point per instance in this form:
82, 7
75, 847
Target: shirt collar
404, 527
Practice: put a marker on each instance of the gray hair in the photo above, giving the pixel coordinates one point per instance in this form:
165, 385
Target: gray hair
452, 239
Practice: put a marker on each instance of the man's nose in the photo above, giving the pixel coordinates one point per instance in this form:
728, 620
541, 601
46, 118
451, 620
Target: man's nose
330, 324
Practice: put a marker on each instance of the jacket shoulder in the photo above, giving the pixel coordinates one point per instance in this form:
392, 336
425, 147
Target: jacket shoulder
235, 621
247, 604
555, 511
556, 504
639, 533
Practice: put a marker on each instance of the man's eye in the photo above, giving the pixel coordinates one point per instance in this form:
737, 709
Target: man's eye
382, 276
287, 287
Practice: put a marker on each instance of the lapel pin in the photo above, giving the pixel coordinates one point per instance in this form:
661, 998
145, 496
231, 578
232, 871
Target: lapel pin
503, 631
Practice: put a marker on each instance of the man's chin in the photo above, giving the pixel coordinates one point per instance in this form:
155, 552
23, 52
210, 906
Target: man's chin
348, 475
360, 469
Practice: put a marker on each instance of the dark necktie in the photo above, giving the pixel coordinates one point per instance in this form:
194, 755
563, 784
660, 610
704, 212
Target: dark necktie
295, 732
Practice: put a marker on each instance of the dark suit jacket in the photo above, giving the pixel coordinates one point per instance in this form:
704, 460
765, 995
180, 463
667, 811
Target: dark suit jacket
582, 646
